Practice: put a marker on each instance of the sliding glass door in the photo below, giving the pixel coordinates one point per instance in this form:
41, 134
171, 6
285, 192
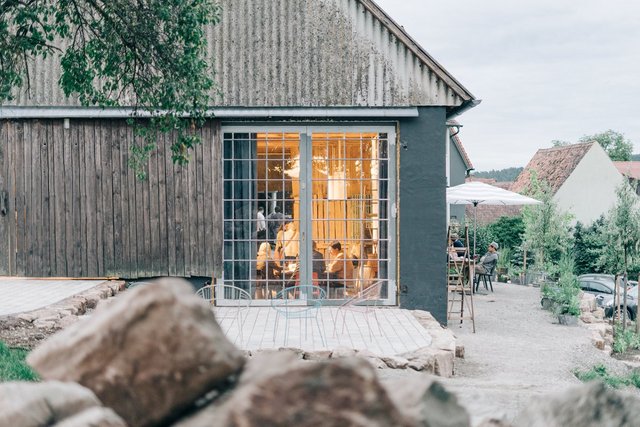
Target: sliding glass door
309, 206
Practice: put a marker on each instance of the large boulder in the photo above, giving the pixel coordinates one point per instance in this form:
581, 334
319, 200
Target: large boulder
93, 417
42, 404
426, 402
280, 390
590, 405
148, 355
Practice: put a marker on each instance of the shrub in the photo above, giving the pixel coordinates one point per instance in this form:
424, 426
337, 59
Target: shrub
600, 373
625, 340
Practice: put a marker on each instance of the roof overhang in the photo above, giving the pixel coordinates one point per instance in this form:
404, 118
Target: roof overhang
14, 112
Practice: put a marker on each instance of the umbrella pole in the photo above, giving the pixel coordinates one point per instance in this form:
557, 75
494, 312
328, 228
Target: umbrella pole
475, 226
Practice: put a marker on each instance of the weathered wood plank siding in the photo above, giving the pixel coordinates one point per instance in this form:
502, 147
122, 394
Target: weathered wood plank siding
76, 209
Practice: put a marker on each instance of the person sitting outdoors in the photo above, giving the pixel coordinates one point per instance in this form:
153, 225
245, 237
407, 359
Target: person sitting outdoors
339, 269
488, 261
457, 246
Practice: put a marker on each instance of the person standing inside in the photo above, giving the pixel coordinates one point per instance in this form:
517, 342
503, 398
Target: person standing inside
274, 221
261, 225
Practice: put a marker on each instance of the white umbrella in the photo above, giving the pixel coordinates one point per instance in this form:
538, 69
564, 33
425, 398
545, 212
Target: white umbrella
475, 193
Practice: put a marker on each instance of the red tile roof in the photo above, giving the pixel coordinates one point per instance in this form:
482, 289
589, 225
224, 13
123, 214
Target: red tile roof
488, 214
553, 165
629, 169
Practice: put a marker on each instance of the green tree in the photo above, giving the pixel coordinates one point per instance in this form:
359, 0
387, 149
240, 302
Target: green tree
587, 246
508, 231
614, 143
621, 234
145, 54
560, 143
546, 228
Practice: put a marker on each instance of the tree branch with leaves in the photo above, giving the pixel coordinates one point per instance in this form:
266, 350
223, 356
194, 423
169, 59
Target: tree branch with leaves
149, 55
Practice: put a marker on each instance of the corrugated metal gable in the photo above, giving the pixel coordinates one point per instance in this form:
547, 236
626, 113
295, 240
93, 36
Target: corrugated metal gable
304, 53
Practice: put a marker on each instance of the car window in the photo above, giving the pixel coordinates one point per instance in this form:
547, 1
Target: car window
584, 285
599, 287
633, 292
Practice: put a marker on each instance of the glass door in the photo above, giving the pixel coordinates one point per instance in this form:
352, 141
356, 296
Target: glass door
309, 206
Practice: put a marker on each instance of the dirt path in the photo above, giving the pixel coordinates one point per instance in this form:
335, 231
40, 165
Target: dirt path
516, 353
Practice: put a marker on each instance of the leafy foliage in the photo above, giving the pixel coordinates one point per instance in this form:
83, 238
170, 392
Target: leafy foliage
501, 175
145, 54
621, 232
588, 243
13, 366
508, 231
600, 373
546, 228
625, 339
617, 146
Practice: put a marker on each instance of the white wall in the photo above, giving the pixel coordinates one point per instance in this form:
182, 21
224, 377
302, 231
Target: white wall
590, 190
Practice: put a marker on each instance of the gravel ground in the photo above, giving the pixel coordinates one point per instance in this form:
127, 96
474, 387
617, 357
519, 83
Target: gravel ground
518, 351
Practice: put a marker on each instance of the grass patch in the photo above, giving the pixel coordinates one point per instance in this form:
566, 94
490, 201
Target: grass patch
600, 373
13, 366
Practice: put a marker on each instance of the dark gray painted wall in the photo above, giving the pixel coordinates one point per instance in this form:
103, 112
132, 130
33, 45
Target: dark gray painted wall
458, 173
422, 213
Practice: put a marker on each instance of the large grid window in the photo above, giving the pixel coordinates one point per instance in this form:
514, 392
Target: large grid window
332, 186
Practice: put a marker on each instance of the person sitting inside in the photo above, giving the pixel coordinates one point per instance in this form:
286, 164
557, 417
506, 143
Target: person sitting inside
318, 261
264, 260
339, 268
488, 261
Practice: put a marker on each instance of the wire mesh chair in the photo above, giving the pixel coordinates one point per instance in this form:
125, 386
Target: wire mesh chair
299, 302
228, 316
366, 301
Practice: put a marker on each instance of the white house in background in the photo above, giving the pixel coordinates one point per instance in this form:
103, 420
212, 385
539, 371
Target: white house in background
582, 177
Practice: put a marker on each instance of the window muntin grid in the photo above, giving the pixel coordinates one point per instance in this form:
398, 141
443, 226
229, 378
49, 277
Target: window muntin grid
348, 202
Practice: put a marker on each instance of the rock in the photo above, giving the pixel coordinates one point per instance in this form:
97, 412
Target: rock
92, 300
44, 324
426, 402
443, 339
299, 353
147, 356
587, 317
317, 355
426, 319
42, 404
342, 352
493, 422
459, 351
67, 321
278, 390
376, 362
597, 340
589, 405
598, 314
431, 360
588, 303
600, 328
395, 362
93, 417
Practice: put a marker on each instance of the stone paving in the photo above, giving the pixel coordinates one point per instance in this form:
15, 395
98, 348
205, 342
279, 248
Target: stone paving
23, 295
387, 332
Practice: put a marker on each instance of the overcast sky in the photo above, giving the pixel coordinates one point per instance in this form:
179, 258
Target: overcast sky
544, 69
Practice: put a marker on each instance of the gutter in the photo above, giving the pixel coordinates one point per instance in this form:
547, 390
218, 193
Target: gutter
461, 109
11, 112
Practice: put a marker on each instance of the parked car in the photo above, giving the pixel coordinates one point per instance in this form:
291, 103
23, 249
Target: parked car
597, 284
632, 304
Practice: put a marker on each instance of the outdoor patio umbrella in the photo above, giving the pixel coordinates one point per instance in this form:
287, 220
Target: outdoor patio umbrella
475, 193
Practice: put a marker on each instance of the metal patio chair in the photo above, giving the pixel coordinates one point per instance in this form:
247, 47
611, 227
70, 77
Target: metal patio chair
228, 315
367, 302
299, 302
